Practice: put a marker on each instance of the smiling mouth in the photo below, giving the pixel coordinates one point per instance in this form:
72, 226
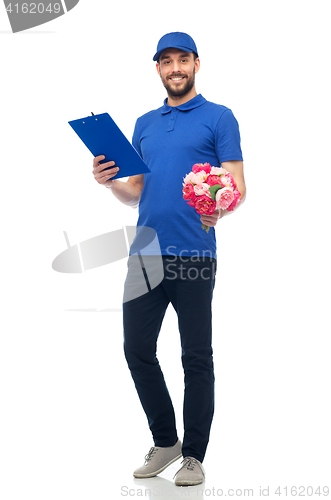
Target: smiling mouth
177, 78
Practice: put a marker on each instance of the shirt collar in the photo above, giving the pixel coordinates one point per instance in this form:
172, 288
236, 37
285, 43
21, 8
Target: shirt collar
197, 101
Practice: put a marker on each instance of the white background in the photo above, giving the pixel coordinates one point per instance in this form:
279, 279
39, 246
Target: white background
71, 423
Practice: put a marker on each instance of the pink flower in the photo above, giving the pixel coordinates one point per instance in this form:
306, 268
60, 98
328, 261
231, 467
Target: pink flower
237, 197
224, 197
205, 205
201, 166
191, 202
188, 191
217, 171
188, 177
201, 189
228, 181
199, 177
213, 179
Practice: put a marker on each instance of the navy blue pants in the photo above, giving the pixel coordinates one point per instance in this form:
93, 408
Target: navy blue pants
188, 285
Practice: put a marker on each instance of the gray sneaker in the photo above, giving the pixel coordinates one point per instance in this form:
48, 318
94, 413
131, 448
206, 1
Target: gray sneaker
158, 459
190, 473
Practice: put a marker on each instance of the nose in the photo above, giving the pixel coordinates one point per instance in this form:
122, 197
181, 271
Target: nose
176, 67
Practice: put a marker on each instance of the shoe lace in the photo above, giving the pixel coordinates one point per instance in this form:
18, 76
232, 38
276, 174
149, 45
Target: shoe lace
188, 463
150, 454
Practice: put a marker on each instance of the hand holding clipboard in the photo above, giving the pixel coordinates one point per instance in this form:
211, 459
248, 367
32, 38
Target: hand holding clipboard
101, 136
103, 175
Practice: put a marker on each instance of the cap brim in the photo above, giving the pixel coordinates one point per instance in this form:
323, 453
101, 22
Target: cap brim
179, 47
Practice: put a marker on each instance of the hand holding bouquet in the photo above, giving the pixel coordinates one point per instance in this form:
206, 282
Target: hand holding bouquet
209, 188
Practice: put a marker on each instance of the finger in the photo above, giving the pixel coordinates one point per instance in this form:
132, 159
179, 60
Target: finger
96, 160
108, 174
98, 167
103, 166
209, 220
104, 172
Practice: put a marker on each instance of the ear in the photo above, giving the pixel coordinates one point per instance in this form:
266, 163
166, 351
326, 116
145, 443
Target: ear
158, 68
196, 65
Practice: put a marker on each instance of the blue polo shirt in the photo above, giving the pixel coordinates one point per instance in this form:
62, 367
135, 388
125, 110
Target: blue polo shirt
171, 140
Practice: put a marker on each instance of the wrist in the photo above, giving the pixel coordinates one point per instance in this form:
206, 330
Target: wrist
112, 184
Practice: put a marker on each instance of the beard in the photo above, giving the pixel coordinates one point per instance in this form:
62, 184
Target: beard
175, 90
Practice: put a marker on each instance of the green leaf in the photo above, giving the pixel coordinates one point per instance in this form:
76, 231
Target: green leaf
214, 189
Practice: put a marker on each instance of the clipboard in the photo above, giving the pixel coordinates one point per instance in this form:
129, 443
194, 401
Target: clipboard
102, 136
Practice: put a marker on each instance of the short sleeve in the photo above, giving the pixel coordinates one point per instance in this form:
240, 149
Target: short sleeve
227, 138
136, 140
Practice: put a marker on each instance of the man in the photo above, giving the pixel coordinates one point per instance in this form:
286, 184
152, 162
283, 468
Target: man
186, 130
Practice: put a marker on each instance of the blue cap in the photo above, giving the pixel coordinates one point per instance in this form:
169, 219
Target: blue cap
175, 40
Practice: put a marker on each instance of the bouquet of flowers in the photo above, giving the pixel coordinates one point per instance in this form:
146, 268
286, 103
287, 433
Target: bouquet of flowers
209, 188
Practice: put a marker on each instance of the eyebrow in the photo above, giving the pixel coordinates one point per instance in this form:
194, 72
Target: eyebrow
185, 54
